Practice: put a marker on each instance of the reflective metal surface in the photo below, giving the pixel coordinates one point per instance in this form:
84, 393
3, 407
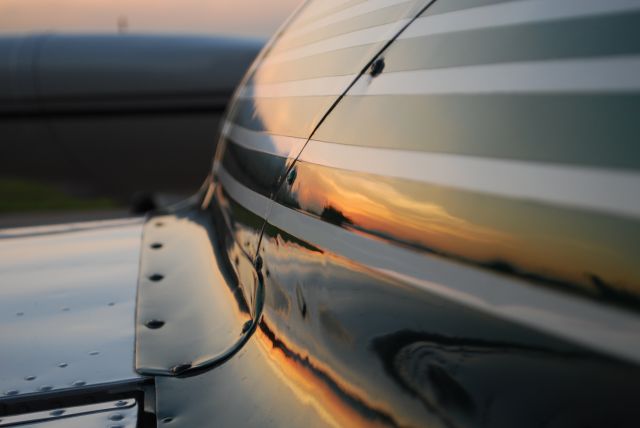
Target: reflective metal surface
454, 244
370, 349
248, 390
341, 344
191, 312
489, 186
271, 111
121, 413
67, 306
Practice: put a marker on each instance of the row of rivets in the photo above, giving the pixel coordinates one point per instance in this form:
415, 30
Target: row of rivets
66, 309
43, 388
156, 277
155, 324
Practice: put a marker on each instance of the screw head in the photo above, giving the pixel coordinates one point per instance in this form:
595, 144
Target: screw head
258, 263
154, 324
377, 67
291, 177
180, 368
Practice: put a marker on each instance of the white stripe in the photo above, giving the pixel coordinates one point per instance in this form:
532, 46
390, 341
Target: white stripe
604, 190
579, 320
321, 86
604, 74
344, 14
254, 202
514, 13
277, 145
609, 74
366, 36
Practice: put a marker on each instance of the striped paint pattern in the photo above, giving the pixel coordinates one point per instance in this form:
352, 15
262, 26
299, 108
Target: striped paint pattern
530, 103
294, 56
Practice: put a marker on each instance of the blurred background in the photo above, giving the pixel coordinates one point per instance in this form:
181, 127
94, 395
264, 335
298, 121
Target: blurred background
249, 18
112, 107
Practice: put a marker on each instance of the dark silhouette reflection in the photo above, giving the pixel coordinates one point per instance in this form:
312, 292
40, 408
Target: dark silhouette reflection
334, 216
483, 383
258, 171
364, 409
376, 351
572, 250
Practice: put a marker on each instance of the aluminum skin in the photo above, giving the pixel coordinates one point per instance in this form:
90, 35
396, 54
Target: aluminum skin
67, 311
447, 240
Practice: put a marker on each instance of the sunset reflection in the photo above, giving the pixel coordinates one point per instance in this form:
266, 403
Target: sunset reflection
554, 245
339, 403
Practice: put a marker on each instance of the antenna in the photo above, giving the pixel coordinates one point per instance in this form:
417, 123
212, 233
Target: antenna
123, 24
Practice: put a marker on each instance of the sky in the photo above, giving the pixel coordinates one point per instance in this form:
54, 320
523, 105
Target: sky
252, 18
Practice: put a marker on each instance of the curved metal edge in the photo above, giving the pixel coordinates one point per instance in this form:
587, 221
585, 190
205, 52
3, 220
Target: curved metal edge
190, 213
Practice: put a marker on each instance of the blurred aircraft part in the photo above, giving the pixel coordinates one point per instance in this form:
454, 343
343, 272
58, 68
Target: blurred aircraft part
116, 115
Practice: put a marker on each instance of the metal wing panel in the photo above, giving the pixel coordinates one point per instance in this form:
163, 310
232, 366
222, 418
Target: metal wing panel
190, 311
67, 307
121, 413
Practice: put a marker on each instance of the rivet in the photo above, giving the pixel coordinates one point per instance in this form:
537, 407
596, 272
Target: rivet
56, 412
45, 388
377, 67
12, 392
167, 420
79, 383
291, 177
156, 277
66, 309
116, 426
62, 365
247, 326
30, 378
121, 403
258, 263
180, 368
111, 303
156, 245
159, 224
19, 314
94, 353
116, 417
154, 324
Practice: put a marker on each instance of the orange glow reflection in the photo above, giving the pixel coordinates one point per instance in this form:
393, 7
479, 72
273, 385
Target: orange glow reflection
319, 386
554, 243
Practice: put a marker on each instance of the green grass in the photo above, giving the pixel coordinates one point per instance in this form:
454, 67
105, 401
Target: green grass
18, 195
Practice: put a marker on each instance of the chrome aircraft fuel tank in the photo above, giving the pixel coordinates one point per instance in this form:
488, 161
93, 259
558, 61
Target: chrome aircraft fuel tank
449, 239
